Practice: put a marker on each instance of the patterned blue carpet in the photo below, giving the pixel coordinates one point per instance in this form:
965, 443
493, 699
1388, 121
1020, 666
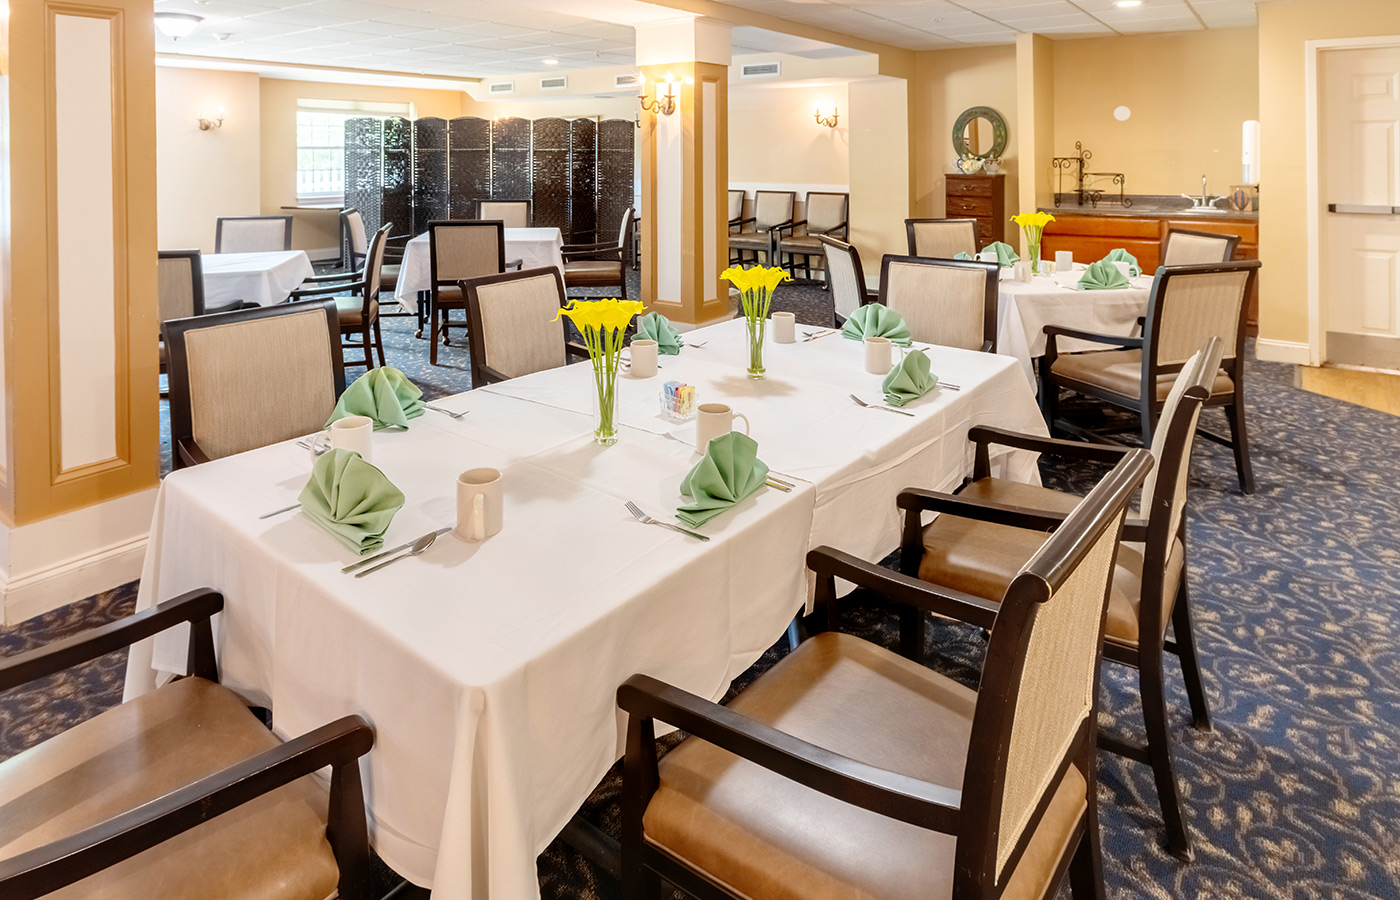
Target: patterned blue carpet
1295, 794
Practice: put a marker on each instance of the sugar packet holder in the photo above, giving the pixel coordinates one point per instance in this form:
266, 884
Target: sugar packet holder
678, 401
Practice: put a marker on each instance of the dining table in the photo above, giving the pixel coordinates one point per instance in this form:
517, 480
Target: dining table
534, 247
489, 670
265, 278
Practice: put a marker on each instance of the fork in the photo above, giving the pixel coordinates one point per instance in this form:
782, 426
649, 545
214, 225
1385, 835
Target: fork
901, 412
446, 412
645, 519
696, 346
813, 335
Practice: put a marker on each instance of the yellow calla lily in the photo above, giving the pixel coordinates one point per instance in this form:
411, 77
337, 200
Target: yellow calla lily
755, 285
1033, 220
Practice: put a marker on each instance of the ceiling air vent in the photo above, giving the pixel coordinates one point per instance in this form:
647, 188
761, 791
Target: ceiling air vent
627, 81
501, 87
556, 83
761, 70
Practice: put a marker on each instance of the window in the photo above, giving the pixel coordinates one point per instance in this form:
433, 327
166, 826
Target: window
321, 143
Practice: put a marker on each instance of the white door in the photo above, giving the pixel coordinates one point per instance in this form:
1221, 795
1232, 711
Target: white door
1359, 118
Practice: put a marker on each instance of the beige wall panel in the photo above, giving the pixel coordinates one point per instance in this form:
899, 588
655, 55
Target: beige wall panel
775, 140
879, 167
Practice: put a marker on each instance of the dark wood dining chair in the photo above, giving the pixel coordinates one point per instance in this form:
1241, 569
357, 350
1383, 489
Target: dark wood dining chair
1197, 248
1187, 306
602, 264
252, 234
516, 328
459, 249
181, 792
245, 379
941, 238
846, 277
357, 310
757, 233
949, 302
1149, 593
827, 214
847, 770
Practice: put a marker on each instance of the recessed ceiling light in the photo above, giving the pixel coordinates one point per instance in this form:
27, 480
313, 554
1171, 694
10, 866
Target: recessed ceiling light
551, 62
1127, 4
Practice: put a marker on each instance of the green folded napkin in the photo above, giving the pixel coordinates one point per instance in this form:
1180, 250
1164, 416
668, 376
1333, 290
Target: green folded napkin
964, 255
876, 320
656, 327
351, 499
1102, 276
385, 395
1006, 256
1121, 255
910, 379
730, 471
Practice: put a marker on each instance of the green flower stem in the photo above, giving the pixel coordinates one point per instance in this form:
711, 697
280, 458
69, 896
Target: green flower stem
756, 305
604, 348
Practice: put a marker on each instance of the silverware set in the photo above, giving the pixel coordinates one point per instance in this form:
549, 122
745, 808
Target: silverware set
820, 333
889, 409
696, 346
446, 412
317, 447
278, 512
778, 483
412, 548
645, 519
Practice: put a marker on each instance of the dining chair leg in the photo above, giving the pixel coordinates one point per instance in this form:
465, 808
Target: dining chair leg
1239, 442
1190, 662
433, 314
1086, 866
378, 342
1049, 398
1154, 712
911, 633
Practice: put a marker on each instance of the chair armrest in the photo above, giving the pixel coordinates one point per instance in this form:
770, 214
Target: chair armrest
788, 226
327, 290
600, 245
829, 563
191, 452
611, 251
1135, 531
230, 307
1052, 331
491, 376
333, 276
740, 222
983, 435
891, 794
919, 500
64, 862
193, 606
576, 350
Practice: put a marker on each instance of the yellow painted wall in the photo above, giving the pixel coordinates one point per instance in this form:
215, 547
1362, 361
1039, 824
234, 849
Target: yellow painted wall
879, 167
1284, 27
204, 174
774, 139
321, 230
945, 83
1189, 93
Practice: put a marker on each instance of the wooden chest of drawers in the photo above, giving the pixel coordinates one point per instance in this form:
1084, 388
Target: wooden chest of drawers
980, 197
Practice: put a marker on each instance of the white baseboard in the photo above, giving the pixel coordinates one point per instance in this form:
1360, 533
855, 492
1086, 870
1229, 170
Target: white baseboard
39, 592
1295, 352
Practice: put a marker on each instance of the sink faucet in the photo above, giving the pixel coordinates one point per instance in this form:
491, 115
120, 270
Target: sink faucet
1205, 201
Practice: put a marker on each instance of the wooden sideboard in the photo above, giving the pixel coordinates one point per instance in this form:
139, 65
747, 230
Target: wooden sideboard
980, 197
1091, 237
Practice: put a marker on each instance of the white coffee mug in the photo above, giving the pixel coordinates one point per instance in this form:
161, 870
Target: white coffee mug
641, 358
350, 433
480, 504
1125, 268
1023, 270
879, 355
714, 420
784, 327
987, 256
1064, 260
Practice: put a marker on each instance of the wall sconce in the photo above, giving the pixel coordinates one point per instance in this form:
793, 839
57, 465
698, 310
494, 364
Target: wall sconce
664, 103
211, 124
828, 121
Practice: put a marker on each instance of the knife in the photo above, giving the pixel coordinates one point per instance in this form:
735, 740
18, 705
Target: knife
364, 562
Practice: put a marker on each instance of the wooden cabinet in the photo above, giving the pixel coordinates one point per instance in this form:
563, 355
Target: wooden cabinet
980, 197
1090, 237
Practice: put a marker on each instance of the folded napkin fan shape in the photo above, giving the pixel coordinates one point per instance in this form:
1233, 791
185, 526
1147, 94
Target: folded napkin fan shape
876, 320
964, 256
1006, 256
910, 379
656, 327
729, 472
1121, 255
385, 395
350, 499
1103, 276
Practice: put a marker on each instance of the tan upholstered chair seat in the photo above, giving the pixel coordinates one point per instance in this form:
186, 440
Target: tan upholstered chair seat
450, 294
981, 558
1120, 371
593, 267
781, 841
750, 240
350, 310
272, 848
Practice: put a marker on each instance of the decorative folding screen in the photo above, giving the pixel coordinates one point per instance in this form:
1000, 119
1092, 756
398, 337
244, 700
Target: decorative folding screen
550, 167
468, 164
396, 206
583, 181
510, 159
430, 192
364, 168
616, 179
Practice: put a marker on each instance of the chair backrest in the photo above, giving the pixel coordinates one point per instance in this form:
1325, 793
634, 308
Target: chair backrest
845, 275
252, 234
1188, 306
736, 205
950, 302
353, 236
1197, 248
941, 238
624, 230
772, 208
515, 328
514, 213
827, 212
245, 379
180, 284
465, 248
373, 271
1037, 700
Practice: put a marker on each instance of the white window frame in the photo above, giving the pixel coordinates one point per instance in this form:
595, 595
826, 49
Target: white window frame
346, 109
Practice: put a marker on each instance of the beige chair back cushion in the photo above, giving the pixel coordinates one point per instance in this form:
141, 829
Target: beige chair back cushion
736, 204
846, 292
825, 212
175, 287
1196, 308
514, 213
355, 224
771, 208
625, 226
260, 381
253, 235
1194, 250
466, 250
521, 330
945, 240
944, 305
1056, 689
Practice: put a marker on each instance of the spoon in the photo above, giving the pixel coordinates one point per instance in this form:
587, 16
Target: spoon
419, 547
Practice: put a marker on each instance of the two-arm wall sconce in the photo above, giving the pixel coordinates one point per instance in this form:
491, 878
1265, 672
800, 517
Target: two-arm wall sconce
211, 124
828, 121
663, 104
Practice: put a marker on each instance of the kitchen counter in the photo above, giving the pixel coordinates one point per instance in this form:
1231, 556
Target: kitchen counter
1147, 206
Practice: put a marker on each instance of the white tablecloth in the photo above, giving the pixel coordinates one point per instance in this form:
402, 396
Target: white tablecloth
489, 670
261, 278
534, 247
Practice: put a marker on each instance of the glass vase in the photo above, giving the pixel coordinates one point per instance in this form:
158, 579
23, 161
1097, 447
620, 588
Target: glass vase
1033, 247
757, 329
604, 402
